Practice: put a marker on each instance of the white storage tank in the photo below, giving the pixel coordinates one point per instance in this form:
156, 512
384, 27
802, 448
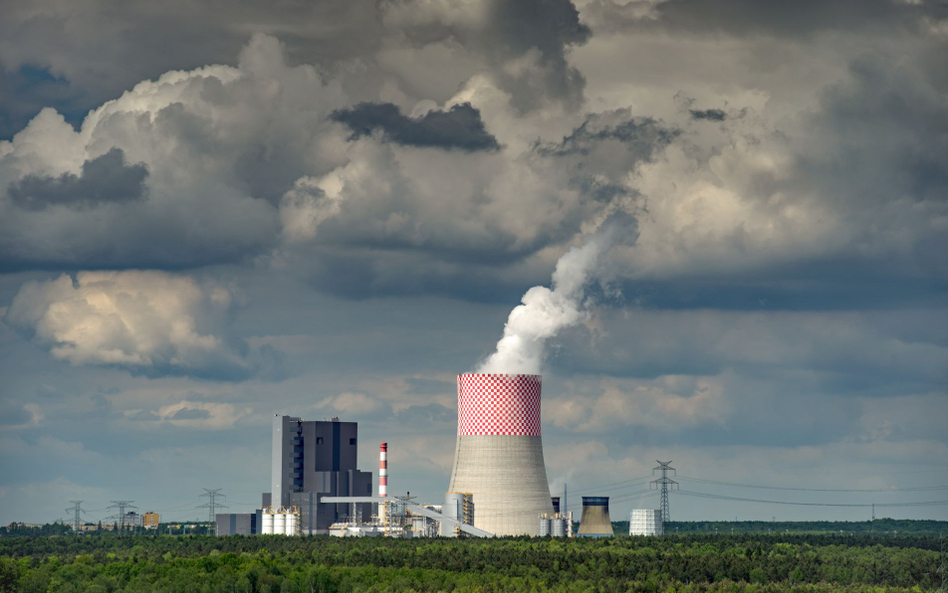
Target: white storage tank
267, 527
279, 523
292, 524
558, 527
544, 526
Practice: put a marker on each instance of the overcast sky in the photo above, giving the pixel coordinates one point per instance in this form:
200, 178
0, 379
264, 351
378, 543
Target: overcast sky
211, 212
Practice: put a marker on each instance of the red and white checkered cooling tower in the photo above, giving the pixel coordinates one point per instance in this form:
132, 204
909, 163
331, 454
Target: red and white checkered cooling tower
499, 454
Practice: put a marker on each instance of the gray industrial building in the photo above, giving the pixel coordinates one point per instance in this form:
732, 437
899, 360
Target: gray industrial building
310, 459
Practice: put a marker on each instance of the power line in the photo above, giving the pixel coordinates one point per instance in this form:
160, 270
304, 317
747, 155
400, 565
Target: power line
664, 482
814, 504
721, 483
612, 486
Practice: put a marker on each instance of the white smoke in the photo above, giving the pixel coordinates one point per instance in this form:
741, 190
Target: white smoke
545, 311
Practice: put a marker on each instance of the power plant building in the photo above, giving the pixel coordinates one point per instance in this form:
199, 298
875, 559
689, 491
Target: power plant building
499, 452
645, 522
310, 459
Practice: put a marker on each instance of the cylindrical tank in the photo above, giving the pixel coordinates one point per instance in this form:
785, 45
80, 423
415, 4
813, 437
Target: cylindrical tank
292, 524
499, 453
544, 526
458, 506
267, 527
595, 521
558, 527
279, 523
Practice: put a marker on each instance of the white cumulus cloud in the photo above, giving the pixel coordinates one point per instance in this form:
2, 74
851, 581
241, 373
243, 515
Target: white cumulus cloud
134, 319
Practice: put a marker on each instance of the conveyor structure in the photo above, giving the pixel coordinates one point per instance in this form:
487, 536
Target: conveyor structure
414, 508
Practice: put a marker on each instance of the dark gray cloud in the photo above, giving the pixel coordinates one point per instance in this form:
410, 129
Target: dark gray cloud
768, 17
708, 114
640, 137
95, 51
460, 127
104, 179
550, 26
538, 33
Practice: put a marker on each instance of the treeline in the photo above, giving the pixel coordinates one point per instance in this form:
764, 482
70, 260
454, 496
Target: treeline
878, 527
270, 564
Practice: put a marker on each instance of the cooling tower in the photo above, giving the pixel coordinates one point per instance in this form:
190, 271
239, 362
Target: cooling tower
499, 453
595, 521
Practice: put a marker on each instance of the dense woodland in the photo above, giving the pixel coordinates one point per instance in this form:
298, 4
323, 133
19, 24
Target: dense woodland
271, 564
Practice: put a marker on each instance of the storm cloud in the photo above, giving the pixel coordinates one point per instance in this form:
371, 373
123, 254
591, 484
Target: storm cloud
104, 179
459, 127
331, 208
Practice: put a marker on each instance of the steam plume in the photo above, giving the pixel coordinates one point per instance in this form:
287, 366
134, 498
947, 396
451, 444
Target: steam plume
545, 311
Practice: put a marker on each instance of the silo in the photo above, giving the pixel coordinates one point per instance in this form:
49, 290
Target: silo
544, 526
558, 527
460, 507
595, 521
279, 522
292, 523
267, 527
499, 452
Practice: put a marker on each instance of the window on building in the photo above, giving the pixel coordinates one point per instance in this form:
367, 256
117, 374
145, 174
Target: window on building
352, 441
319, 440
368, 488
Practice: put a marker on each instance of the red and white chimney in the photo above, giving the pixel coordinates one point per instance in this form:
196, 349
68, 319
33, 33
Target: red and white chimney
383, 481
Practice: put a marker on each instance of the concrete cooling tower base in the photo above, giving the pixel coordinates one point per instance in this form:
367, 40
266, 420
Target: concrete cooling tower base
507, 477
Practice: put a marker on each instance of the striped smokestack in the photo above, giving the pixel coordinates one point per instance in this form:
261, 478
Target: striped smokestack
383, 480
499, 452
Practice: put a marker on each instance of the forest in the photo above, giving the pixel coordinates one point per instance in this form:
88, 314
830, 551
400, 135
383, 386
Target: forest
745, 563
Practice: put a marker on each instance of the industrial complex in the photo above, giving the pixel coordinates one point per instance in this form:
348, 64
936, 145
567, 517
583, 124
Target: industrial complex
498, 485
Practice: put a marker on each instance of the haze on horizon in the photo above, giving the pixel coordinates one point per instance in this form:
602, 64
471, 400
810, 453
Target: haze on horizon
717, 227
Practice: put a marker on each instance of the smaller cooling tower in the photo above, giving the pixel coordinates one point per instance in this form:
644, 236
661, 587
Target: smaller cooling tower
595, 521
645, 522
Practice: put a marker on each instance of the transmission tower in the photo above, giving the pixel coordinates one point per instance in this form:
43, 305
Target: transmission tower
121, 505
212, 505
664, 482
76, 509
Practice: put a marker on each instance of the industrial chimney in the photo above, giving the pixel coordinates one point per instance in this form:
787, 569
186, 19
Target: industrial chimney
595, 521
499, 452
383, 481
